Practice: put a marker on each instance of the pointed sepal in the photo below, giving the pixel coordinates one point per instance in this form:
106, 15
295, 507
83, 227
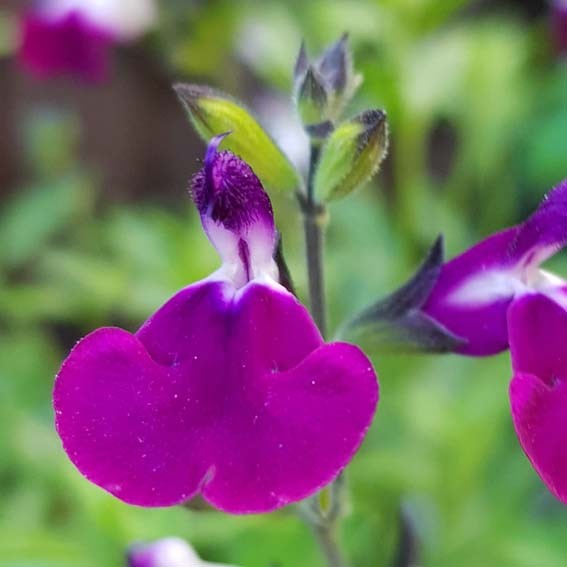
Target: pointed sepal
397, 323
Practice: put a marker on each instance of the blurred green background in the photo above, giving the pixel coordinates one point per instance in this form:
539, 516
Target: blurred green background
96, 228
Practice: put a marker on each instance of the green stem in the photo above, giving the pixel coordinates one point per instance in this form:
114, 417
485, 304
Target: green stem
324, 523
328, 544
315, 220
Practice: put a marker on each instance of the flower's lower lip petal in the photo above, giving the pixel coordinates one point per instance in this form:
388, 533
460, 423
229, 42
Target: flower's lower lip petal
466, 301
540, 419
262, 324
313, 420
190, 324
68, 44
116, 410
208, 408
538, 337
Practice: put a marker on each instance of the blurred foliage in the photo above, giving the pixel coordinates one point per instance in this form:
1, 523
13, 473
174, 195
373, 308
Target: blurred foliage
478, 111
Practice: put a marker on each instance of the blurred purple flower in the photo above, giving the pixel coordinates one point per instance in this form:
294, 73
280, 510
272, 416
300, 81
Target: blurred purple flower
538, 391
228, 390
559, 25
169, 552
474, 290
74, 36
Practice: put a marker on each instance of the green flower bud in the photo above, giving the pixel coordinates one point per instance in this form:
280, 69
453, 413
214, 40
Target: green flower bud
323, 88
312, 97
351, 155
212, 112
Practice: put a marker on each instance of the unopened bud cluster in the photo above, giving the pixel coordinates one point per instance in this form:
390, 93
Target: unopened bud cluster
352, 150
324, 87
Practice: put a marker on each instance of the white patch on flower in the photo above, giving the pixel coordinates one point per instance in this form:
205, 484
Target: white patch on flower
493, 285
259, 237
261, 243
172, 552
487, 287
553, 286
543, 279
126, 19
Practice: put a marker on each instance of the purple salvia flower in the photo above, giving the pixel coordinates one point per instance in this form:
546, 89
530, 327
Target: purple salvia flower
74, 36
475, 289
169, 552
538, 391
228, 390
559, 25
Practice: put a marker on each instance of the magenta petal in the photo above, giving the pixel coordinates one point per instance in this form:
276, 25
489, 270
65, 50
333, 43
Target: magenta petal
538, 338
313, 419
540, 419
69, 44
114, 407
230, 393
559, 25
481, 322
538, 392
544, 232
474, 289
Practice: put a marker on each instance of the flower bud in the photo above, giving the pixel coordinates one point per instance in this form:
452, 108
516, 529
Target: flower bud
352, 155
323, 88
312, 98
336, 65
213, 112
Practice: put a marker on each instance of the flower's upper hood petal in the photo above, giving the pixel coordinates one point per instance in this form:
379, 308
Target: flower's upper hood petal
543, 233
236, 214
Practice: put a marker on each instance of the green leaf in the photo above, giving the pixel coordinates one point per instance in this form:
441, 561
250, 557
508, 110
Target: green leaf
213, 112
32, 217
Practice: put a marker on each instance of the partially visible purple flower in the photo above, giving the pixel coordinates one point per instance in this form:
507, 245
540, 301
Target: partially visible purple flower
474, 290
559, 25
74, 36
228, 390
538, 391
169, 552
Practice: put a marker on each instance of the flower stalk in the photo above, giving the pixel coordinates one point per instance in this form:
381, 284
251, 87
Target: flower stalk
315, 220
323, 520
